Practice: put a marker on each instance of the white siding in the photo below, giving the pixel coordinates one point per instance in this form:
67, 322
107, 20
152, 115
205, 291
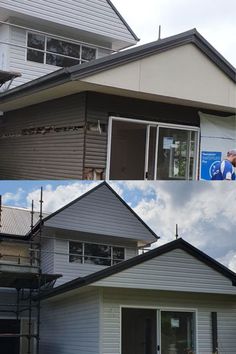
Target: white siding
4, 37
204, 304
74, 270
71, 325
101, 212
175, 270
91, 16
47, 258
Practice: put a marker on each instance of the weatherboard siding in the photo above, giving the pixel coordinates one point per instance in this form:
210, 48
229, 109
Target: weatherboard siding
71, 271
44, 141
71, 325
91, 16
204, 304
173, 271
101, 212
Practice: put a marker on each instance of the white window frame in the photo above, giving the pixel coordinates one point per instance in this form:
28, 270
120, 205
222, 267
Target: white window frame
159, 309
150, 124
45, 51
95, 243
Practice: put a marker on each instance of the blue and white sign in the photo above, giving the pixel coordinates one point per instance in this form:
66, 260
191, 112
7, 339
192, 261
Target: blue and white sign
209, 160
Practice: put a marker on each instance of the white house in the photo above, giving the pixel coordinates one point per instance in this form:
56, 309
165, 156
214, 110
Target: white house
37, 38
110, 298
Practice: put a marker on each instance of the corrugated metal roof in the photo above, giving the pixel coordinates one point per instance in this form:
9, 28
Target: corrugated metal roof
16, 221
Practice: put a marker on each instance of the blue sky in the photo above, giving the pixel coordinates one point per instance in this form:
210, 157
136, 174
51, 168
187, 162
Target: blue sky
205, 212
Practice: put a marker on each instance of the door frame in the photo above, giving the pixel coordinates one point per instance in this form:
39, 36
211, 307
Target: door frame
149, 124
159, 309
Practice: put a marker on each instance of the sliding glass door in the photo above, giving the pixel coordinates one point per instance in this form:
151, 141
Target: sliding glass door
140, 150
151, 331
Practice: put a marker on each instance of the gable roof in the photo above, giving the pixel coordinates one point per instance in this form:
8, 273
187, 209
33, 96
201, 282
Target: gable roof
82, 71
177, 244
102, 211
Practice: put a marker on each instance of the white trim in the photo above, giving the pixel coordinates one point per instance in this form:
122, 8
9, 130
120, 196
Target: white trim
159, 309
158, 125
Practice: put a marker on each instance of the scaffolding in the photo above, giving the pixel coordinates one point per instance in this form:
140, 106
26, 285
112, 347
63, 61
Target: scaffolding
24, 275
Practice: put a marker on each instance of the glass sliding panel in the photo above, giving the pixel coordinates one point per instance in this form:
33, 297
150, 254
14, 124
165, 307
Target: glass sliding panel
97, 254
88, 53
139, 331
118, 254
36, 41
62, 47
177, 332
36, 56
176, 154
57, 60
128, 146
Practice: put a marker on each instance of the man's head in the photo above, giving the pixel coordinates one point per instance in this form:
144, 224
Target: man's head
231, 156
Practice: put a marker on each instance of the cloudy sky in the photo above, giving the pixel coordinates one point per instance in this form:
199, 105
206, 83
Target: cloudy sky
215, 20
205, 212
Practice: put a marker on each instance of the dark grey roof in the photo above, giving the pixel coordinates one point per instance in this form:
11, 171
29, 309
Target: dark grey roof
7, 76
177, 244
81, 71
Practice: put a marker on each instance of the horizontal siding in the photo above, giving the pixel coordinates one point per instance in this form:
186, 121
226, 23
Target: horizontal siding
71, 325
54, 146
101, 212
71, 271
47, 255
204, 304
175, 270
94, 16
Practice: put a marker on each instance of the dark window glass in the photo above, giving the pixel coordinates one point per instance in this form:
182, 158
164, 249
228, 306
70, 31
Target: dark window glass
118, 253
36, 41
76, 252
97, 254
56, 60
34, 55
62, 47
88, 53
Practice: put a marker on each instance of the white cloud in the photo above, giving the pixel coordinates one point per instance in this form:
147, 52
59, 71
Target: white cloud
14, 198
55, 198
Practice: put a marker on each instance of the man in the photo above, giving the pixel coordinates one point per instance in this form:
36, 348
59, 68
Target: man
224, 170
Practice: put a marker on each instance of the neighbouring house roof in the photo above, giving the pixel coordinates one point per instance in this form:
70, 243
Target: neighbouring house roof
103, 212
16, 221
177, 244
79, 72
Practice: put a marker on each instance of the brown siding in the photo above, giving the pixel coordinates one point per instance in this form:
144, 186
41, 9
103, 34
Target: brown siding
45, 141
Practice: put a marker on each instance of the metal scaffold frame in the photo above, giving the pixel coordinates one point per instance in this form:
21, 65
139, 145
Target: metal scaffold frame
28, 287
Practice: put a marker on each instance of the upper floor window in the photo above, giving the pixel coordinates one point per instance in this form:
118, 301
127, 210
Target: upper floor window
81, 252
48, 50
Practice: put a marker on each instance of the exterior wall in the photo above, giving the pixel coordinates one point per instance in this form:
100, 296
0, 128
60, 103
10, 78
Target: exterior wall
44, 141
173, 271
74, 270
93, 16
101, 212
17, 61
4, 50
225, 307
71, 325
47, 256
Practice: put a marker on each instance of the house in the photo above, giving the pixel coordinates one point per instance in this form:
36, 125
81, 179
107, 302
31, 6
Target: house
37, 39
111, 298
164, 110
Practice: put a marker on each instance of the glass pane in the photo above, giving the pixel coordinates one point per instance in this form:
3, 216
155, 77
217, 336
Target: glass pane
34, 55
192, 155
118, 253
152, 152
36, 41
56, 60
173, 154
97, 254
128, 146
177, 333
62, 47
75, 248
88, 53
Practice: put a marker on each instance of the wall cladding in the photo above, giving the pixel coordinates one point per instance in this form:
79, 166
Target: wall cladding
44, 141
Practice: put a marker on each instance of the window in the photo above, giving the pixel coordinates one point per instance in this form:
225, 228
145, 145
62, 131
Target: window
92, 253
48, 50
